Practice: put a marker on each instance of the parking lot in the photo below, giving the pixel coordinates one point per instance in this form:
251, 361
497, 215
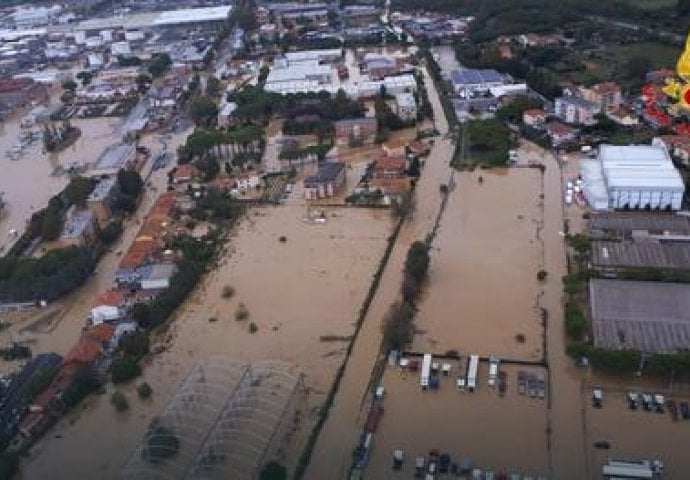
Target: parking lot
476, 430
615, 430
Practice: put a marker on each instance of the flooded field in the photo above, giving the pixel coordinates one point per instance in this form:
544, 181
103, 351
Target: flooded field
482, 291
297, 291
29, 181
481, 426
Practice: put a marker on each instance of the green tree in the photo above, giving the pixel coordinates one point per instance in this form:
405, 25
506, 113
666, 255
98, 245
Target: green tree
214, 87
159, 64
78, 190
636, 67
417, 261
143, 82
203, 110
85, 77
125, 368
273, 471
141, 313
52, 225
135, 344
69, 85
130, 182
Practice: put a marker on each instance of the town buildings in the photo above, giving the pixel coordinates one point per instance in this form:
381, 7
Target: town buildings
473, 82
406, 106
605, 95
113, 159
356, 131
102, 198
20, 92
326, 183
79, 228
576, 110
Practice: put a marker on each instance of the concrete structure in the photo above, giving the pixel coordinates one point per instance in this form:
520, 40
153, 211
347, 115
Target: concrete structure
475, 81
79, 228
652, 317
360, 15
356, 131
635, 224
636, 177
534, 118
406, 106
16, 93
168, 18
100, 202
605, 95
328, 55
156, 276
327, 181
576, 110
380, 67
112, 159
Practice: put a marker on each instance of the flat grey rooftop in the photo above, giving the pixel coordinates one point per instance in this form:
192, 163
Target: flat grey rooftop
651, 317
627, 254
626, 222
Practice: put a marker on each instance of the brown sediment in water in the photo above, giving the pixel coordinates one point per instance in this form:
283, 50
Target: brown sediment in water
296, 291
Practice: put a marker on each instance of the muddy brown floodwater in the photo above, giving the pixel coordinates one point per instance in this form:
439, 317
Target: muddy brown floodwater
482, 289
296, 291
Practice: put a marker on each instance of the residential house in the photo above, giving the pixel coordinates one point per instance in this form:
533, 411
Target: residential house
113, 159
406, 106
20, 92
576, 110
155, 276
396, 147
537, 40
535, 117
102, 198
246, 181
360, 15
623, 116
380, 67
561, 134
327, 181
388, 168
356, 131
606, 95
226, 115
185, 173
79, 228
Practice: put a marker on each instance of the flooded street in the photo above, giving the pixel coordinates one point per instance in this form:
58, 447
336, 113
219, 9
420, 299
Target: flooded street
298, 291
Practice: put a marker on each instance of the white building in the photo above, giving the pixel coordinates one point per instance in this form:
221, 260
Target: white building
406, 106
475, 81
635, 177
576, 110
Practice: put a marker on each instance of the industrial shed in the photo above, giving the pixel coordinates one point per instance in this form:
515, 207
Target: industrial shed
652, 317
634, 177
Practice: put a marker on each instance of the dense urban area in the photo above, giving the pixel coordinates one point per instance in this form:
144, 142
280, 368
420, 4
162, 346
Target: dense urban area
347, 240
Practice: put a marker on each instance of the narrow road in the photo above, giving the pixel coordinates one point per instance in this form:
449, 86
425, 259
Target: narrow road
332, 455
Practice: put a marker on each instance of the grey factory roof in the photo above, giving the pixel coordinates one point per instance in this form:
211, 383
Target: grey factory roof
468, 76
156, 19
328, 172
645, 316
113, 159
645, 254
76, 222
624, 223
102, 189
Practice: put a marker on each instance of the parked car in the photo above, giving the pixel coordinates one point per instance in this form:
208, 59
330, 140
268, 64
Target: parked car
398, 459
597, 398
684, 410
633, 400
646, 401
444, 463
602, 445
659, 403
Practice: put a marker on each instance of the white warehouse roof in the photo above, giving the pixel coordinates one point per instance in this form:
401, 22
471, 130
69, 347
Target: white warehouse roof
639, 166
297, 72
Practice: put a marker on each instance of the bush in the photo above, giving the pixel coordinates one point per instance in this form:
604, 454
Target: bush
273, 471
124, 369
241, 313
575, 321
253, 327
144, 390
135, 344
282, 239
228, 291
541, 275
119, 401
397, 326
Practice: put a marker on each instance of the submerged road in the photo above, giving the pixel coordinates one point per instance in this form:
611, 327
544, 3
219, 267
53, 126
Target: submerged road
332, 456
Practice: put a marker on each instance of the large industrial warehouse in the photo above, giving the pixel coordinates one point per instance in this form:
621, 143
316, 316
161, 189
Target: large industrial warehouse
634, 177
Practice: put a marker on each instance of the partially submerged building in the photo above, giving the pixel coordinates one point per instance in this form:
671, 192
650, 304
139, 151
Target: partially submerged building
632, 177
327, 181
